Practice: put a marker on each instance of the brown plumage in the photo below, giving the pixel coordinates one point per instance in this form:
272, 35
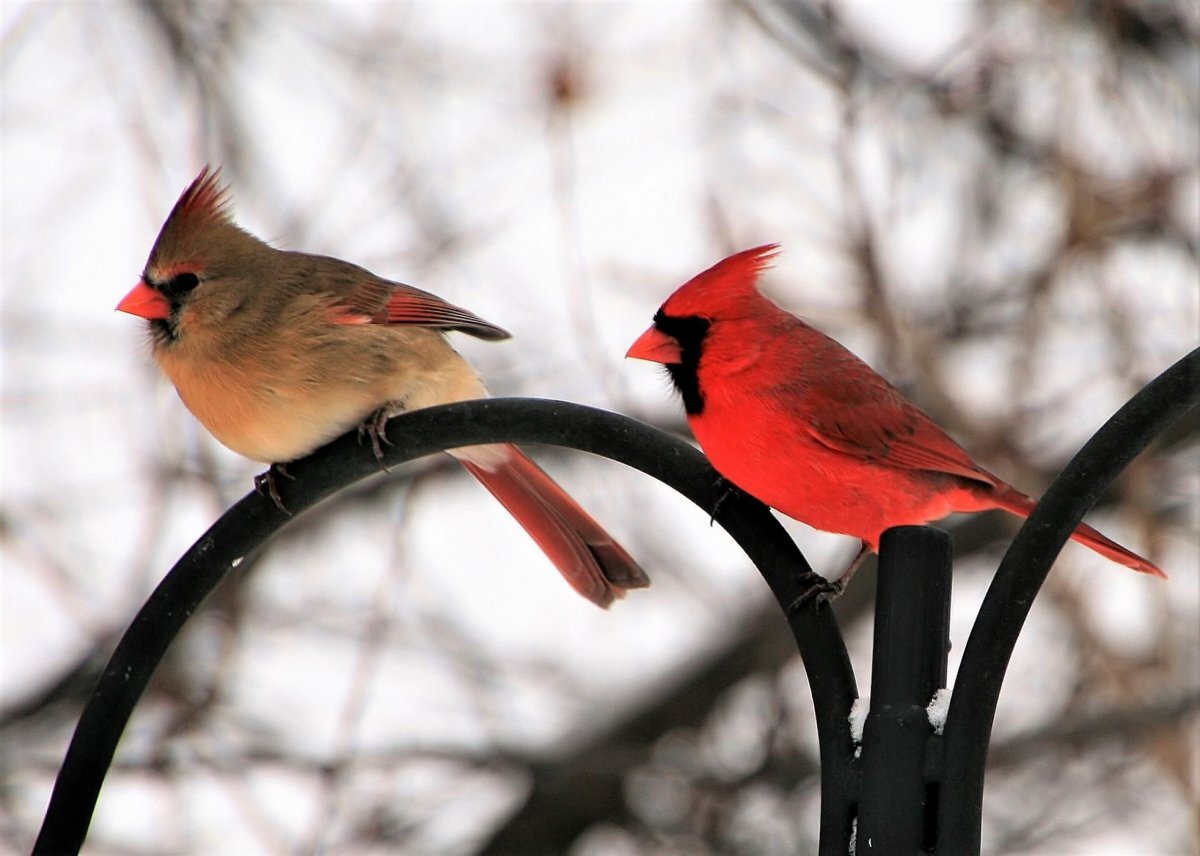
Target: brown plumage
276, 353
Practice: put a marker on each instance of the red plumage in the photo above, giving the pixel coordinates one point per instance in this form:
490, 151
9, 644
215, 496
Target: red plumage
796, 420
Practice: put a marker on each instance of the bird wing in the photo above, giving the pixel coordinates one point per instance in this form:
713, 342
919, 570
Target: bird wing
873, 422
372, 300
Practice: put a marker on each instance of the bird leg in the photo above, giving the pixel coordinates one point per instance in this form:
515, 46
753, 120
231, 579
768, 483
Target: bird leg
375, 427
821, 590
266, 485
855, 563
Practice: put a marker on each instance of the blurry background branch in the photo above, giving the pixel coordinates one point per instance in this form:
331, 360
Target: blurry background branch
997, 204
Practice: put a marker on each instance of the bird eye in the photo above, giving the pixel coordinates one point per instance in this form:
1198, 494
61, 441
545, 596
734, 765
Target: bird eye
179, 285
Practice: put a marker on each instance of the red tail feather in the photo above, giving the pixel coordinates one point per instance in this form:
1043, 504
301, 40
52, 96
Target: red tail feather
1014, 501
589, 559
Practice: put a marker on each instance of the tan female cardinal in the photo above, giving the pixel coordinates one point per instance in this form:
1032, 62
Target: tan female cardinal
277, 353
797, 421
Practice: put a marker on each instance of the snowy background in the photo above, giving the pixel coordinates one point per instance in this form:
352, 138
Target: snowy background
997, 204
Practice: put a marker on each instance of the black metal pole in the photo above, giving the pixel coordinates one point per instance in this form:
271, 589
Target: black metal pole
255, 519
912, 641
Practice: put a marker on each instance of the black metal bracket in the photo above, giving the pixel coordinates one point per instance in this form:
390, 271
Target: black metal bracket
922, 792
1009, 598
909, 792
250, 523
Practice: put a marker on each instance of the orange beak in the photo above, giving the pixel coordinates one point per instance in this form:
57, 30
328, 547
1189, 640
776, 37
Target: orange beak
144, 301
657, 347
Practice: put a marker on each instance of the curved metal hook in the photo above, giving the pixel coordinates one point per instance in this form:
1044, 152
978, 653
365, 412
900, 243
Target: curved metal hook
252, 521
1018, 580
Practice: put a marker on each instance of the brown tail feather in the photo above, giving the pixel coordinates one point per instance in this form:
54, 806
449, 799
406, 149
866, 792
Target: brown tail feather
1014, 501
589, 559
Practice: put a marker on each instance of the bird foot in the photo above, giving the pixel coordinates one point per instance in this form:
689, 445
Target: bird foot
820, 590
375, 427
817, 590
266, 485
728, 493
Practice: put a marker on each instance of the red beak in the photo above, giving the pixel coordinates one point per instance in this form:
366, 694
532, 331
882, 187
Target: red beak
657, 347
144, 301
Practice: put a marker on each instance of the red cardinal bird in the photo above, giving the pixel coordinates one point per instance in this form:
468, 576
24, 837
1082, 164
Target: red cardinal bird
277, 353
794, 419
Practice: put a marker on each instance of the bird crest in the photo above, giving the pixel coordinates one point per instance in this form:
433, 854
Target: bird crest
205, 203
723, 285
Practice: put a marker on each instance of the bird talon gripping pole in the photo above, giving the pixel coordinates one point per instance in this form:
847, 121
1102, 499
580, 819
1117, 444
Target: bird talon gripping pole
267, 485
374, 427
727, 492
817, 590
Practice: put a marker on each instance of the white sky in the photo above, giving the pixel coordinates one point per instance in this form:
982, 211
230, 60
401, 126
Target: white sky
99, 139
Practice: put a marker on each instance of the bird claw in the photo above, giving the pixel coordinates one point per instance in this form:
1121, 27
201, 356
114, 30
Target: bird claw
728, 492
821, 590
266, 485
817, 591
375, 427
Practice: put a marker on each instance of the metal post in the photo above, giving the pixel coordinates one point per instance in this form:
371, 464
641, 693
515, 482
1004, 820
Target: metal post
912, 641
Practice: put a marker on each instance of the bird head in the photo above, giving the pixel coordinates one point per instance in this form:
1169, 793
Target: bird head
199, 269
726, 291
723, 294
